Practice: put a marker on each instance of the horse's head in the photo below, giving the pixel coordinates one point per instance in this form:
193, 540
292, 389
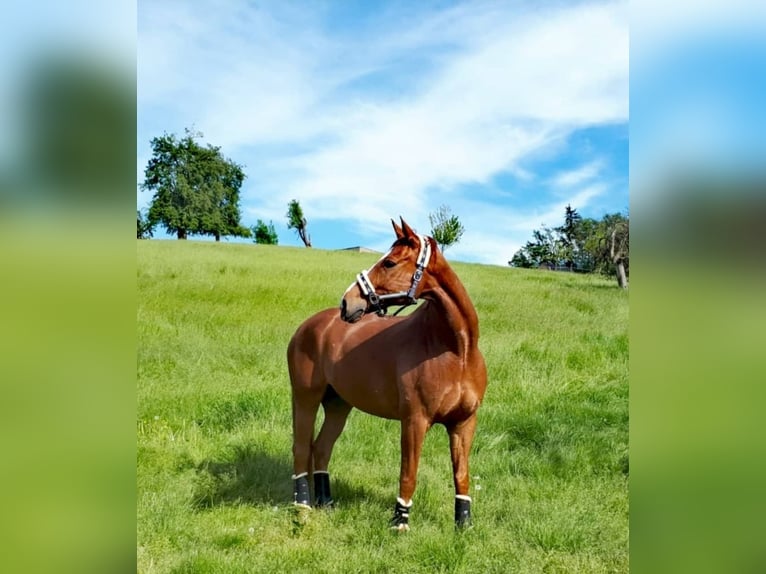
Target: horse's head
396, 279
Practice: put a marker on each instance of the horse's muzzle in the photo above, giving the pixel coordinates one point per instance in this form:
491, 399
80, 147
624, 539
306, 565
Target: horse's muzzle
350, 315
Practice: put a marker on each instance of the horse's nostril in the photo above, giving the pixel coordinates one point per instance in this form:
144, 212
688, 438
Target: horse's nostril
343, 308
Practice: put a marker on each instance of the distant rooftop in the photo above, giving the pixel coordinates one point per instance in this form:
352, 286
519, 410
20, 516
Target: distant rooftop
359, 249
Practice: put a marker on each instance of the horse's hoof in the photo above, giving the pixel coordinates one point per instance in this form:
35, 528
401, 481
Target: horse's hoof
322, 496
301, 506
462, 511
400, 521
301, 496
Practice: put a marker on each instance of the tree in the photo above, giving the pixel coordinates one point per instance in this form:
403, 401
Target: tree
144, 229
544, 250
570, 236
582, 244
585, 259
196, 189
78, 118
446, 228
520, 259
619, 250
296, 221
264, 234
610, 246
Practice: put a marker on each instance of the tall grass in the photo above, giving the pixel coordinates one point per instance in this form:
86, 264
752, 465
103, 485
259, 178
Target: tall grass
550, 457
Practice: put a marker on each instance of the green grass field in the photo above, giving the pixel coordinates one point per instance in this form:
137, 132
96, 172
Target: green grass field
549, 461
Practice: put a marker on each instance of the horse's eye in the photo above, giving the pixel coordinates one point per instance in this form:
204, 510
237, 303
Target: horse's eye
387, 263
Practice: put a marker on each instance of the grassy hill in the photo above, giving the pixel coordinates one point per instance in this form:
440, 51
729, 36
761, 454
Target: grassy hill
549, 462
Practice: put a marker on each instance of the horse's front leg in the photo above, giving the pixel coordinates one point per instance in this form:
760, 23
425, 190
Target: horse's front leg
413, 432
460, 439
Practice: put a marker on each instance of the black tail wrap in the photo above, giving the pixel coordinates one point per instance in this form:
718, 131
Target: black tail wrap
401, 518
462, 512
301, 490
322, 496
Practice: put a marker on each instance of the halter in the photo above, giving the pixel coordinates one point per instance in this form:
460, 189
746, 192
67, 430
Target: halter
378, 302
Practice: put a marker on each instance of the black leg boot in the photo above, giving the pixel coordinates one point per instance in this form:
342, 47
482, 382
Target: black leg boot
301, 496
462, 511
401, 518
322, 496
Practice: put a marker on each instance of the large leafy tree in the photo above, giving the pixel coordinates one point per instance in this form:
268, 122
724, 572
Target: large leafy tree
297, 221
196, 189
446, 228
264, 234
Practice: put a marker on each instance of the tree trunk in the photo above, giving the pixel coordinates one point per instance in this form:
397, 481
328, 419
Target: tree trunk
622, 279
217, 236
619, 266
181, 234
304, 237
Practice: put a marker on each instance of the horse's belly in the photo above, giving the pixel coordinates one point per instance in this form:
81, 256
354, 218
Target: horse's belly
369, 393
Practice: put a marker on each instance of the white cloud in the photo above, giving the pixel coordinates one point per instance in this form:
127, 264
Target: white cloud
493, 235
578, 176
498, 85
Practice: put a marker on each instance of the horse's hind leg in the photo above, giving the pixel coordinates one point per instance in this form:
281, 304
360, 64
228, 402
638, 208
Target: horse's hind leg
336, 412
305, 406
460, 439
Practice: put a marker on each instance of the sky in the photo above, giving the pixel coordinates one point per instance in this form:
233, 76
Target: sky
697, 87
504, 111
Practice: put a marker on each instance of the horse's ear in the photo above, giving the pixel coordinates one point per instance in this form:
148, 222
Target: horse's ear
397, 230
408, 232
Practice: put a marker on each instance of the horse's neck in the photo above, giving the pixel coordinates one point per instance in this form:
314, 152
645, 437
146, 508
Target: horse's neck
454, 309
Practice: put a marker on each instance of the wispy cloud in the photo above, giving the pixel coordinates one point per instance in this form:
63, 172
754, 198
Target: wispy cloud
395, 118
571, 178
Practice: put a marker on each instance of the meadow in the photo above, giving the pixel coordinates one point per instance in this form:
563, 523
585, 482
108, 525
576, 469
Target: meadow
549, 463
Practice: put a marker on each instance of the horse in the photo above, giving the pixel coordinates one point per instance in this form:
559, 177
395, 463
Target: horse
421, 369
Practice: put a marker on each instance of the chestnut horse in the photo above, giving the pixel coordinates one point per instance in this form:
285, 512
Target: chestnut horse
421, 369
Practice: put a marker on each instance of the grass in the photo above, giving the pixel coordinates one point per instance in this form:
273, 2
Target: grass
550, 457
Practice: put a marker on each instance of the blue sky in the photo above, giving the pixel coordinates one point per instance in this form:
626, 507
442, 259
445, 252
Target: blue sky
697, 92
504, 111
